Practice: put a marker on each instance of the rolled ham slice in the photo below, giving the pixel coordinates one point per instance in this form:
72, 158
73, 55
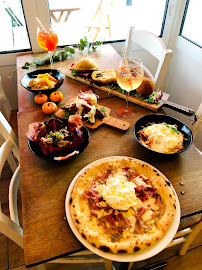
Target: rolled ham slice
67, 156
75, 121
34, 130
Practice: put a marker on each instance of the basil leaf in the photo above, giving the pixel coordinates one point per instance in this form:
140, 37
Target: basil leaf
25, 67
103, 109
173, 128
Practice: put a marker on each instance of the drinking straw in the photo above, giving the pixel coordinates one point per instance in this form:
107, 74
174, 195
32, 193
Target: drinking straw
41, 24
125, 57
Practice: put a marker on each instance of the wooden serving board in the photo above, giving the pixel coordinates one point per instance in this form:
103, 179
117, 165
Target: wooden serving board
107, 120
136, 100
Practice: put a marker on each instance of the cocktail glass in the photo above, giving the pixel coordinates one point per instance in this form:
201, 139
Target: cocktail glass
129, 77
48, 40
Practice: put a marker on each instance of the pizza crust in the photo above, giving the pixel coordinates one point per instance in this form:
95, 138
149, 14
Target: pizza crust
87, 224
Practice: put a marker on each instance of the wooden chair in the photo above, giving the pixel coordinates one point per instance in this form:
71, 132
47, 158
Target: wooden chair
197, 130
100, 15
9, 146
189, 227
61, 12
10, 227
155, 46
4, 105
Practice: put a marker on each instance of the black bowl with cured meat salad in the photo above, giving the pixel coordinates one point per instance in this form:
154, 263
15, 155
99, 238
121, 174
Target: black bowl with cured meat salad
57, 140
167, 120
54, 73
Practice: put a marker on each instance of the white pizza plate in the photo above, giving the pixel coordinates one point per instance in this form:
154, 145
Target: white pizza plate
131, 257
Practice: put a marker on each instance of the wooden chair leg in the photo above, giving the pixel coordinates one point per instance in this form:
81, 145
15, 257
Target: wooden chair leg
108, 264
39, 267
130, 265
197, 228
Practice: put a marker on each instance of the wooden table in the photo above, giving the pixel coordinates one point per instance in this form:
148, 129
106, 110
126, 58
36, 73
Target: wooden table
44, 184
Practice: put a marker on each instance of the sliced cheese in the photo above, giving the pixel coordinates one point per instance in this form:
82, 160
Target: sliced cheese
150, 202
140, 182
147, 216
91, 114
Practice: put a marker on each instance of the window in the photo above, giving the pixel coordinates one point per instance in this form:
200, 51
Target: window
104, 20
13, 27
192, 22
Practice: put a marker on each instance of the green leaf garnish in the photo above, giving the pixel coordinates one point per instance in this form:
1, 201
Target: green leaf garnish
62, 55
103, 109
171, 127
67, 114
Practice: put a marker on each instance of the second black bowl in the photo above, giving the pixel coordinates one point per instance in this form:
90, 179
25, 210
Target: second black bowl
160, 118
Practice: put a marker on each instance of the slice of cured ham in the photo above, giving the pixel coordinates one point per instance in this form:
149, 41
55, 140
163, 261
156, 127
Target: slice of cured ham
35, 129
75, 121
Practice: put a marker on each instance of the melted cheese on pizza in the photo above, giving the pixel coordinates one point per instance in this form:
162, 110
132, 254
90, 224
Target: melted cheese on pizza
119, 194
162, 138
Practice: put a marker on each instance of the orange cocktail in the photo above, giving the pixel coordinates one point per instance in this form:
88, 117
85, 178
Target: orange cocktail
47, 40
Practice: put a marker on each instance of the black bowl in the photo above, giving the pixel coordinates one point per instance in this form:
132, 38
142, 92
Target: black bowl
35, 148
58, 75
159, 118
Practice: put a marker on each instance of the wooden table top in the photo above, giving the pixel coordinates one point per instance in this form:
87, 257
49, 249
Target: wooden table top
44, 184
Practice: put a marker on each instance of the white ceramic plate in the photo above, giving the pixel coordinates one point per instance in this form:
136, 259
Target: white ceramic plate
132, 257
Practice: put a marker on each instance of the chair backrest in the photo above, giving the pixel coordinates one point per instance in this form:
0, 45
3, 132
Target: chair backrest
9, 151
155, 46
4, 105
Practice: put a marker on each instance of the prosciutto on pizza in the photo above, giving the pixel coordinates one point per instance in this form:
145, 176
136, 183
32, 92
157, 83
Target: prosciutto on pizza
122, 205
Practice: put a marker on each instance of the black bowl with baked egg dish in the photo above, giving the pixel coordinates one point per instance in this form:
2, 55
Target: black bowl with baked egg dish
54, 140
154, 139
31, 81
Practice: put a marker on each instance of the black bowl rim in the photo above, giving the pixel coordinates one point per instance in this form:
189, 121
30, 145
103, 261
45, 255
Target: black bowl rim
82, 146
39, 71
166, 116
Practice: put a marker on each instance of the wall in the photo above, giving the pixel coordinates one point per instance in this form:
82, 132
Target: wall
184, 77
9, 85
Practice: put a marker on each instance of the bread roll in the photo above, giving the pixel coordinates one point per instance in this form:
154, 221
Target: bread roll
85, 64
146, 88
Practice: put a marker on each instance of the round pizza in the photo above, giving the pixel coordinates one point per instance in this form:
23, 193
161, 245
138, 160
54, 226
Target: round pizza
122, 205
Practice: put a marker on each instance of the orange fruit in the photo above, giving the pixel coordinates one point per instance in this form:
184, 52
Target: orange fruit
56, 96
40, 98
49, 107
